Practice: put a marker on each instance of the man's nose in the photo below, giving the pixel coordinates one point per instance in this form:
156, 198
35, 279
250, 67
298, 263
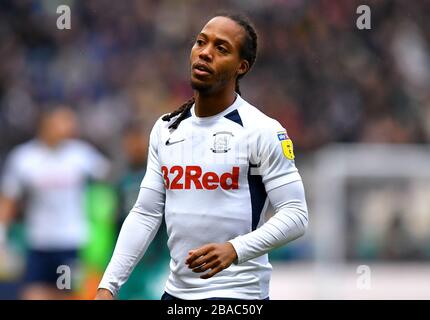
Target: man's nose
206, 53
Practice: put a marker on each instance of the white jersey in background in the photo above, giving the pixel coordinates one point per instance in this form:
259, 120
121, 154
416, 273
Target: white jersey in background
213, 175
52, 180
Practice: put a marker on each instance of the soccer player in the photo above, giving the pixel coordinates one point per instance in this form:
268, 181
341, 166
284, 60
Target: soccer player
213, 167
48, 175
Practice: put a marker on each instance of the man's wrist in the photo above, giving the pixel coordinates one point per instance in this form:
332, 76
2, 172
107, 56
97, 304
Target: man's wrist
234, 244
104, 293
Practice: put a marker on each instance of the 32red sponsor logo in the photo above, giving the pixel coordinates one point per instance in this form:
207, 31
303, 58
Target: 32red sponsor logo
184, 178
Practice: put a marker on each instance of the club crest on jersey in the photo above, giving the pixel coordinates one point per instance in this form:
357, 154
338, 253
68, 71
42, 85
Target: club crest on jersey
287, 145
221, 142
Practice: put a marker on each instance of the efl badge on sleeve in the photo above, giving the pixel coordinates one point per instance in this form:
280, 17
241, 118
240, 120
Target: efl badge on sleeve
287, 145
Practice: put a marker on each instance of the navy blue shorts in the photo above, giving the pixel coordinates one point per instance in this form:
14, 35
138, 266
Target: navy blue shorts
169, 297
42, 266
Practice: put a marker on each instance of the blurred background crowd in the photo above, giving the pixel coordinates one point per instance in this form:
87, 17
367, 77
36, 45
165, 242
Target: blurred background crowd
316, 72
125, 63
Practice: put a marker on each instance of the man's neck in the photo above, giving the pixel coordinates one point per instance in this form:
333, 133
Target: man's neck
211, 104
48, 141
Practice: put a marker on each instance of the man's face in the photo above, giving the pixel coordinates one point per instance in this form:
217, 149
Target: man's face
215, 59
60, 124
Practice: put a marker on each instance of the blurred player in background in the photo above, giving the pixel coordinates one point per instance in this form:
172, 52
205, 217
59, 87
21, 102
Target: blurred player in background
144, 282
214, 164
47, 176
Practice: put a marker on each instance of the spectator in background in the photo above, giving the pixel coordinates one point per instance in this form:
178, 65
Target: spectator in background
48, 175
147, 278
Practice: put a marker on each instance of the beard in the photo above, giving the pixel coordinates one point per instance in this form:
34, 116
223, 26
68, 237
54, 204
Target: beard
210, 88
203, 88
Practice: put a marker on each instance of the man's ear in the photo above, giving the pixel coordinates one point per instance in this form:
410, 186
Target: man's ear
243, 68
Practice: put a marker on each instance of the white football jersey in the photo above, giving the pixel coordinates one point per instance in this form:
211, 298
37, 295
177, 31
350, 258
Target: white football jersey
52, 181
215, 173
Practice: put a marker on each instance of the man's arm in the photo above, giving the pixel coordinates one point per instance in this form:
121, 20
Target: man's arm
285, 190
274, 154
104, 294
140, 226
8, 210
11, 190
289, 222
137, 232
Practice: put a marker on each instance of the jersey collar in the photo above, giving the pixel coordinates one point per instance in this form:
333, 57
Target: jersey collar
237, 102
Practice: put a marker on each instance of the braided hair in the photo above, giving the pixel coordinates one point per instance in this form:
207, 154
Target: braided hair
248, 51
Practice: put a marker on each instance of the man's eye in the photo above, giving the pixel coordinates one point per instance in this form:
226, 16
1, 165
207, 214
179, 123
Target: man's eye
222, 49
199, 42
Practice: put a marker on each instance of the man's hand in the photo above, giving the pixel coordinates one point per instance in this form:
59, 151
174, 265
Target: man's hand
104, 294
214, 256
